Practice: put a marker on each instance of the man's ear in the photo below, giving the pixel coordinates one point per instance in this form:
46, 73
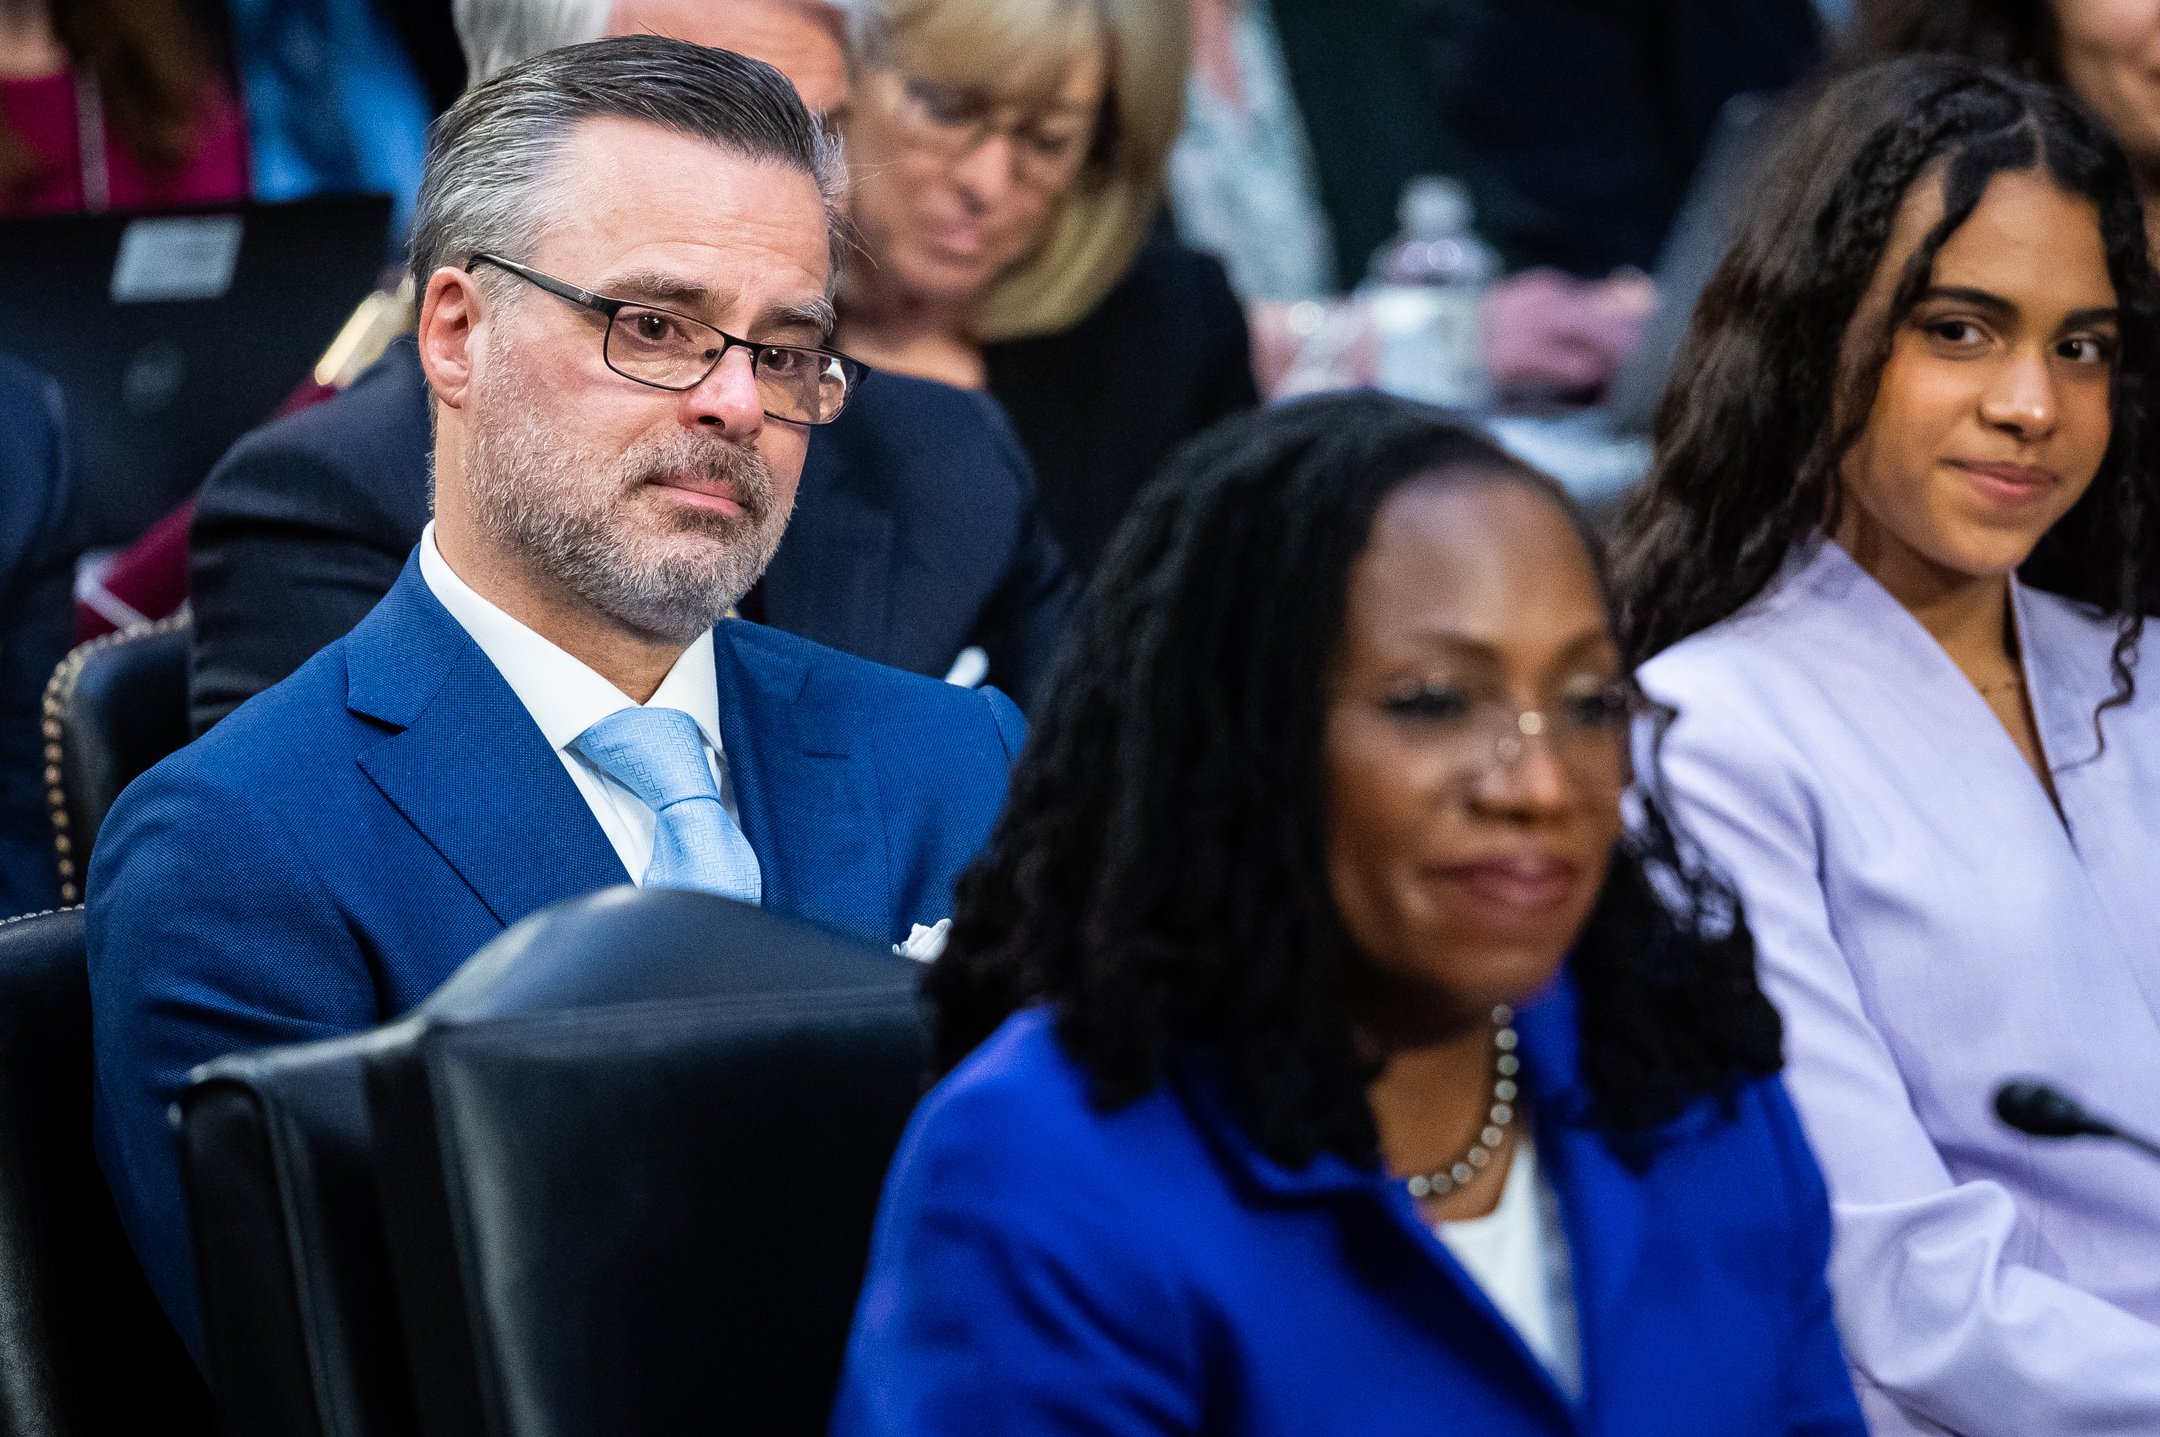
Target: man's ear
451, 314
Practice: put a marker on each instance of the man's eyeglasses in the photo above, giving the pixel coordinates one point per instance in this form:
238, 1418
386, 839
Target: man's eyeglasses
1047, 148
796, 384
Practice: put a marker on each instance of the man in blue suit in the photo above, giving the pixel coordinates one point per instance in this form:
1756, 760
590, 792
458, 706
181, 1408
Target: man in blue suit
917, 533
625, 249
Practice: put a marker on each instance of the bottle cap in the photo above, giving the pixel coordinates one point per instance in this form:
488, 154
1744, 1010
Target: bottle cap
1433, 206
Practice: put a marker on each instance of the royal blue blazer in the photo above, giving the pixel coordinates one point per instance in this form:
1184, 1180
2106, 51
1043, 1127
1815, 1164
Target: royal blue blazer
331, 852
1041, 1266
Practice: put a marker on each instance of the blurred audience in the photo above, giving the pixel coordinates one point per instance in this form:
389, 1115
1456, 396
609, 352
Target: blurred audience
1578, 127
1892, 571
549, 701
1242, 185
1579, 124
916, 537
2105, 53
1009, 160
1344, 1058
113, 104
335, 105
36, 559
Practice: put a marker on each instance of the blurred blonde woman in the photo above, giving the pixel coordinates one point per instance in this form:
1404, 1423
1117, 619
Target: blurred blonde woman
1007, 161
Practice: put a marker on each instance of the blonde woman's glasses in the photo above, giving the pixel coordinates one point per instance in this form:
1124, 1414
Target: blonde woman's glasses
1049, 143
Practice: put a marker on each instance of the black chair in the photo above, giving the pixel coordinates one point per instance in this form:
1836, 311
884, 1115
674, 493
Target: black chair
115, 706
301, 1329
84, 1349
634, 1150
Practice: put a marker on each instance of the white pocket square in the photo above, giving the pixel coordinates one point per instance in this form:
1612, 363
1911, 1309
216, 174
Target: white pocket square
925, 942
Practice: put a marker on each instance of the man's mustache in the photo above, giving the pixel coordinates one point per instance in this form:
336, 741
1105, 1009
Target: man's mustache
742, 470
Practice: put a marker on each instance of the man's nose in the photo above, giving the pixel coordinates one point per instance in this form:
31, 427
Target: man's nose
728, 397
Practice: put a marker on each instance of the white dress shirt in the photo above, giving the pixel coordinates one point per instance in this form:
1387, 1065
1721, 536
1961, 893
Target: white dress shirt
565, 698
1518, 1253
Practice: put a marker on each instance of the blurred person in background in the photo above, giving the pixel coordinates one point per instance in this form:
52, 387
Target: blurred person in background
1342, 1060
2106, 52
113, 104
1242, 180
916, 538
1892, 571
1578, 126
336, 101
1008, 161
36, 564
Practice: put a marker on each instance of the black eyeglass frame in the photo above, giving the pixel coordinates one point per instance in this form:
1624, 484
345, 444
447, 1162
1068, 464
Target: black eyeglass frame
852, 369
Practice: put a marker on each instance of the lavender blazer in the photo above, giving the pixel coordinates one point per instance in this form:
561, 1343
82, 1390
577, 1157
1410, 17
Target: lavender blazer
1928, 925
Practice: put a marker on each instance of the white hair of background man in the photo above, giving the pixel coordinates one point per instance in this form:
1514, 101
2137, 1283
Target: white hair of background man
497, 34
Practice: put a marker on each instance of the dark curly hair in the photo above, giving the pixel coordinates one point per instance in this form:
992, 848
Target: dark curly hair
1159, 875
1747, 446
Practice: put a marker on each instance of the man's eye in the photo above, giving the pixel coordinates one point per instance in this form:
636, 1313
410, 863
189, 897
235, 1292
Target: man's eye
783, 362
651, 327
1431, 705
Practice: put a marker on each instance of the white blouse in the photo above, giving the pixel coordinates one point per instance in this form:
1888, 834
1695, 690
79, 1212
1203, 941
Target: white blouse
1518, 1254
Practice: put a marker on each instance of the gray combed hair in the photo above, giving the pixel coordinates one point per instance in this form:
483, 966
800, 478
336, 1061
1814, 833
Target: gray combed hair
492, 155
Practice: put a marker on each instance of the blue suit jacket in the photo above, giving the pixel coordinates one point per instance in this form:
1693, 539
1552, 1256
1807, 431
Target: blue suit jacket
1044, 1267
330, 853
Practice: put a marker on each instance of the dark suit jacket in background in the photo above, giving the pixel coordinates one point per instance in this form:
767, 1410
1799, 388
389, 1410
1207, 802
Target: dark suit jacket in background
1580, 122
915, 535
1101, 405
36, 570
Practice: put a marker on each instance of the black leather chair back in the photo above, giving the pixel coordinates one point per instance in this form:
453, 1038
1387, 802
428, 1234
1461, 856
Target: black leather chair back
636, 1147
84, 1348
301, 1328
115, 706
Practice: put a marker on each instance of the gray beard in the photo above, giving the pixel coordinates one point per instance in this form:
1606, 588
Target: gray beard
570, 517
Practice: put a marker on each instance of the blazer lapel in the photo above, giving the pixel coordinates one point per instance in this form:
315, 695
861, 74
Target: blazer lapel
1600, 1202
468, 767
809, 804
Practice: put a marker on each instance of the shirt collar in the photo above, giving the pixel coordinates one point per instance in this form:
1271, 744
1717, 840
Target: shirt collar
564, 695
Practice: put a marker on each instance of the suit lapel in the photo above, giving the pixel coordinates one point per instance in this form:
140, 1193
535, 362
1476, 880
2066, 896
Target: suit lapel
1601, 1203
809, 803
468, 767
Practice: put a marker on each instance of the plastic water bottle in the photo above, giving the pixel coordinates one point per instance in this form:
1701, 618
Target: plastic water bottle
1424, 295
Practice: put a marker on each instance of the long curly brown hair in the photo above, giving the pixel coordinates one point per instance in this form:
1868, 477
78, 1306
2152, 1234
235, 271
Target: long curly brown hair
1748, 445
154, 69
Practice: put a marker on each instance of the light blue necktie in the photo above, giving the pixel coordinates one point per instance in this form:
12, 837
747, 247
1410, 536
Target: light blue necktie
659, 755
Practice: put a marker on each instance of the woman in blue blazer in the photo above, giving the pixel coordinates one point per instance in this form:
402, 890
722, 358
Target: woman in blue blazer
1332, 1055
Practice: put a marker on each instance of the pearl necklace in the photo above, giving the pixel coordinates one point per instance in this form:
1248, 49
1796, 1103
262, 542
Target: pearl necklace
1498, 1117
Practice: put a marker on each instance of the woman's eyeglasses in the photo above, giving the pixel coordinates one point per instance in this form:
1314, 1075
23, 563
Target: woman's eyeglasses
1048, 146
796, 384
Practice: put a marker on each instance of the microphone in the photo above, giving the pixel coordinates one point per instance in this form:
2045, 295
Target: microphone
2041, 1110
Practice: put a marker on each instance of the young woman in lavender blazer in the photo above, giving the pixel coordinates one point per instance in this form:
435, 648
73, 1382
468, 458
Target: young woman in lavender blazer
1890, 574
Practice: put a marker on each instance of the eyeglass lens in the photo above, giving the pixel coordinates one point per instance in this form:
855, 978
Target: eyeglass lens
959, 119
1587, 734
654, 346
